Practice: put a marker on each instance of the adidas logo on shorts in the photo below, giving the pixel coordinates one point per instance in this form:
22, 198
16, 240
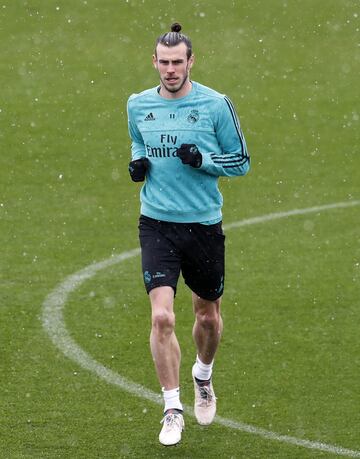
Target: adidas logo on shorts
149, 117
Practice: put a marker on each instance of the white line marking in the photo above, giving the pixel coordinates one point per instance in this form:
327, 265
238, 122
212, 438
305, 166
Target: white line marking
289, 213
54, 324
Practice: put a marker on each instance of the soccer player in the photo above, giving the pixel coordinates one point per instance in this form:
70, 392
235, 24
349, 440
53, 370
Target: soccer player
184, 137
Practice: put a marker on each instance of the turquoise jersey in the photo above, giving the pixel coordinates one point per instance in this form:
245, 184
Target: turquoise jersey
173, 191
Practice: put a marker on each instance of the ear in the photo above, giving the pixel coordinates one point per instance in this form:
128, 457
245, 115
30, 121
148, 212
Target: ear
191, 61
154, 61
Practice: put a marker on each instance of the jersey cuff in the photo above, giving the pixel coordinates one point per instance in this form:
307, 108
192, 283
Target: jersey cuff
206, 163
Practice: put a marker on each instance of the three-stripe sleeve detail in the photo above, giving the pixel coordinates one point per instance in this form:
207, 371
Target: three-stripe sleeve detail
237, 127
229, 160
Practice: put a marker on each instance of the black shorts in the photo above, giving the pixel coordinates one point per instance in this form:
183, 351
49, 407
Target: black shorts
195, 250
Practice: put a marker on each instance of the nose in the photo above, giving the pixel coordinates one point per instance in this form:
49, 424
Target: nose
170, 68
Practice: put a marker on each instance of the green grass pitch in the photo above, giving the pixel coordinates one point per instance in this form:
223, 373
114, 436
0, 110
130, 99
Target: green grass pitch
289, 361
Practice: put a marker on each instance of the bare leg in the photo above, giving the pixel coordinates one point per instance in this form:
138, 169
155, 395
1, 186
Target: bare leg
164, 345
207, 328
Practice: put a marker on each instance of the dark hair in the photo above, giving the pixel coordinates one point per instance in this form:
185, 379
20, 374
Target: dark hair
173, 38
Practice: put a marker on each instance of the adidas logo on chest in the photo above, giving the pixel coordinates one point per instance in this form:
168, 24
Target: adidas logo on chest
149, 117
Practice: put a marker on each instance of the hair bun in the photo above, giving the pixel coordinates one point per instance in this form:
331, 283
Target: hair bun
176, 27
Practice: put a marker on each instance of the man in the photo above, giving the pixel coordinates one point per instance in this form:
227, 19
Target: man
184, 137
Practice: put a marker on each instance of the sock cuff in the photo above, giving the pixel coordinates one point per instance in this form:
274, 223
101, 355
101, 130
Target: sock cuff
204, 366
202, 370
171, 392
172, 399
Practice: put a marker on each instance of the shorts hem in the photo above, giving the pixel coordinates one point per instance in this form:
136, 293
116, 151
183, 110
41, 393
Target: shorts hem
210, 297
151, 287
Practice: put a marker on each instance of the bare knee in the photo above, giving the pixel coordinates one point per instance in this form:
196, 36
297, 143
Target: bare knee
163, 321
163, 317
208, 318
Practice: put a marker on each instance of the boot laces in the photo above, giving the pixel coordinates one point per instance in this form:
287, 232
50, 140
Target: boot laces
206, 393
171, 419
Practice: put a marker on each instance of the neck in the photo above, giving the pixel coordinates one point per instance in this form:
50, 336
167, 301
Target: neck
183, 91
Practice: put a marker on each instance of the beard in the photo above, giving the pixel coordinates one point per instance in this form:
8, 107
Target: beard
177, 88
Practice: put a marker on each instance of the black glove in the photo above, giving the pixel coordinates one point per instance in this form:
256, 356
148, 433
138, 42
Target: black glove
138, 168
189, 154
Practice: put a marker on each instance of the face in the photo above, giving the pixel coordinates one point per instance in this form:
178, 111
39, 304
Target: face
174, 68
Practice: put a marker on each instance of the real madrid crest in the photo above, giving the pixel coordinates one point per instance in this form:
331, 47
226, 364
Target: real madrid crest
193, 116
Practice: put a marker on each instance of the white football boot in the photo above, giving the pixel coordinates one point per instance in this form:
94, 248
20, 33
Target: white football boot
173, 425
205, 403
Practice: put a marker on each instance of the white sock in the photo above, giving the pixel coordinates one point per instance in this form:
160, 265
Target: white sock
202, 370
172, 399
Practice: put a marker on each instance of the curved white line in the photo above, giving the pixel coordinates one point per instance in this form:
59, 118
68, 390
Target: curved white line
54, 324
289, 213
